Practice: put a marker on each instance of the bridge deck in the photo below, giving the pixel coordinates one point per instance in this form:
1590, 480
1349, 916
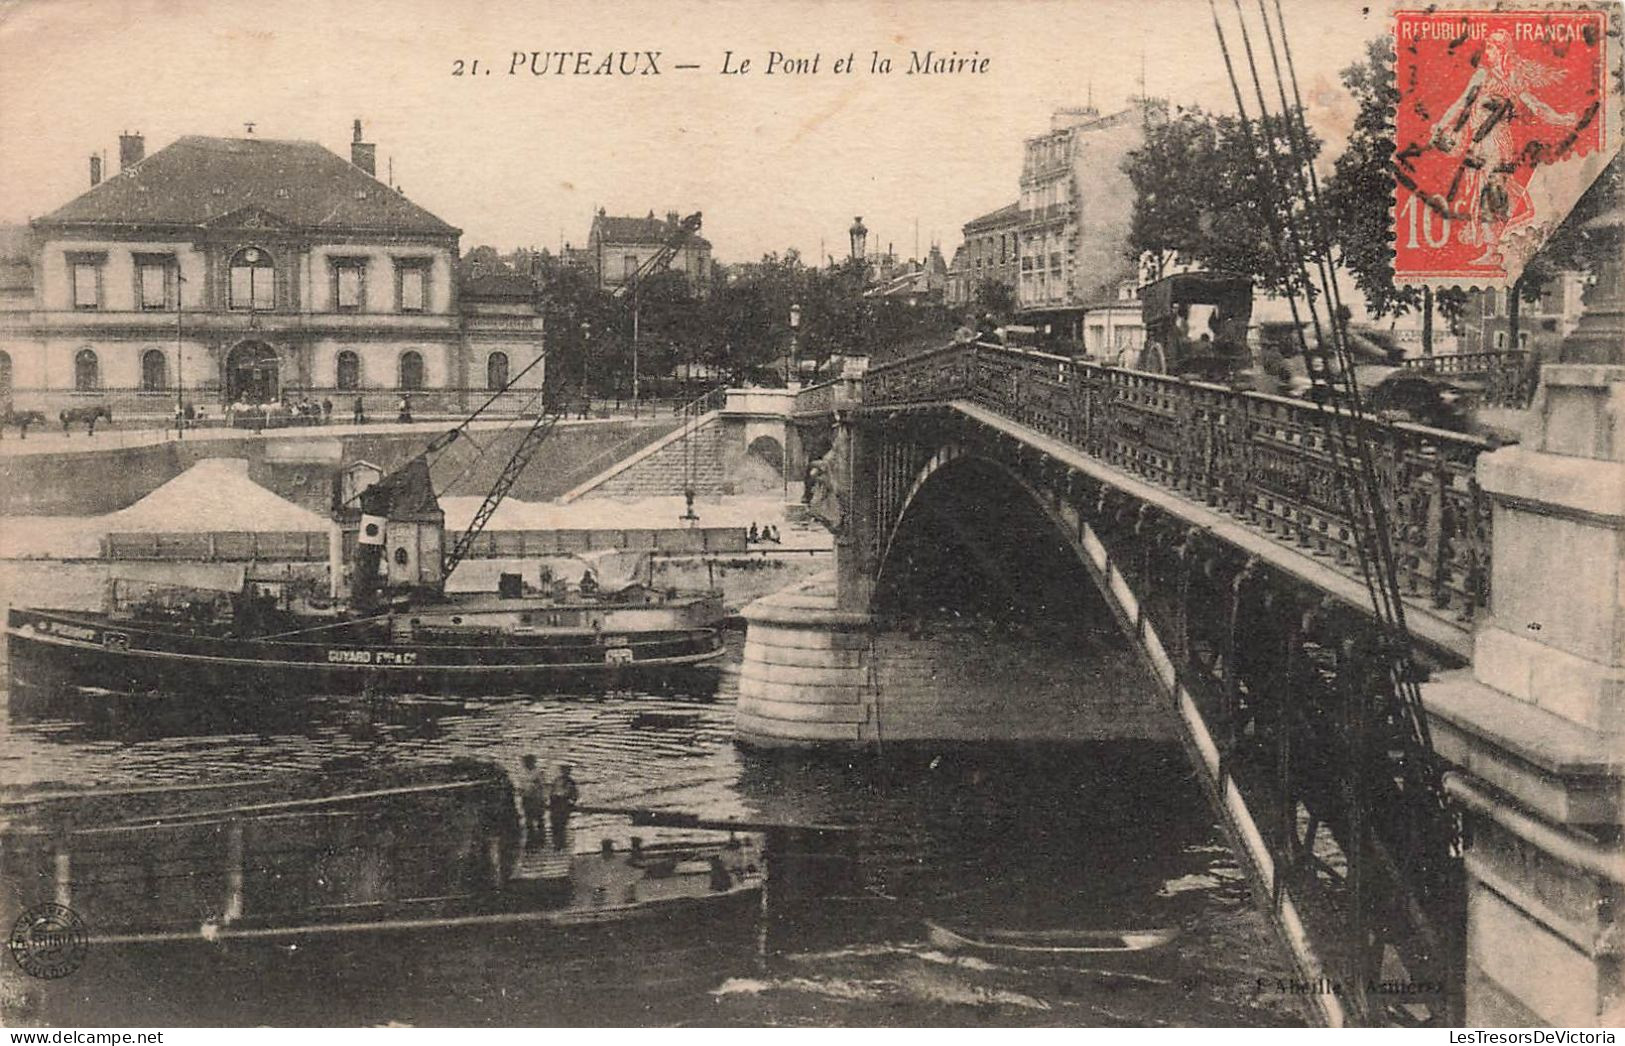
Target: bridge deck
1442, 634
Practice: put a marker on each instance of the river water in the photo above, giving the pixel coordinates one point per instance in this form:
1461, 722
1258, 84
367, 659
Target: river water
1101, 835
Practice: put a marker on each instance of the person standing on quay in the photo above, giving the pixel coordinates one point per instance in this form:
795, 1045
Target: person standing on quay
533, 798
561, 800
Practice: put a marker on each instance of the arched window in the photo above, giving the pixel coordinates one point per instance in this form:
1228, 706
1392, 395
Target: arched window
411, 370
496, 370
154, 371
253, 280
349, 375
87, 371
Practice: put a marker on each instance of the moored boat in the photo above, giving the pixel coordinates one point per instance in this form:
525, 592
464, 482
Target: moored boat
384, 621
361, 895
394, 653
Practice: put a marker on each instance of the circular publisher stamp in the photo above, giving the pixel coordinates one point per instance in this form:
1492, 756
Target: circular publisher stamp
49, 941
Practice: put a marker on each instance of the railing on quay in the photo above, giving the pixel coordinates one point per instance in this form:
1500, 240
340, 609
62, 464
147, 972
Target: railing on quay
1265, 460
1506, 378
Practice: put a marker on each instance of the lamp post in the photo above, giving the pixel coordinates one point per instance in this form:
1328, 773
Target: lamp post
180, 350
586, 349
793, 378
635, 303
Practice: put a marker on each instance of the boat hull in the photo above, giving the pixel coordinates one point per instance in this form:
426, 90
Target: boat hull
55, 651
524, 969
354, 896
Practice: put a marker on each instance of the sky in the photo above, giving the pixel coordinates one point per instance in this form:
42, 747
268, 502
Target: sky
774, 160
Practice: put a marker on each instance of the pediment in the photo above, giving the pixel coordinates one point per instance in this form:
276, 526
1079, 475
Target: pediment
248, 218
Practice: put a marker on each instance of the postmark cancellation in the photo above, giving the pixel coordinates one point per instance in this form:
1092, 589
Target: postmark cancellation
1507, 112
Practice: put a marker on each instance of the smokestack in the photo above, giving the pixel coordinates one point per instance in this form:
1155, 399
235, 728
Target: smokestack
95, 170
131, 149
363, 154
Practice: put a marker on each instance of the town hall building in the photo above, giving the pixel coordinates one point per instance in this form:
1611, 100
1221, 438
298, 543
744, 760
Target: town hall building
243, 271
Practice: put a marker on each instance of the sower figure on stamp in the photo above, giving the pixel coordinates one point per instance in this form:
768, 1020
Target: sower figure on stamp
561, 800
1478, 128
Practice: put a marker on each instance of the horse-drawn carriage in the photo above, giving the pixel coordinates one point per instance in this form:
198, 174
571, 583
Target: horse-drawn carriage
1196, 325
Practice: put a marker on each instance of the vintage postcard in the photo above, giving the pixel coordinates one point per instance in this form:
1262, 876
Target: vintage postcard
812, 514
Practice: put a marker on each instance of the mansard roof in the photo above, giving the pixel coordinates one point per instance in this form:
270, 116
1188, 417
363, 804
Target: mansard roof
197, 181
653, 231
1009, 214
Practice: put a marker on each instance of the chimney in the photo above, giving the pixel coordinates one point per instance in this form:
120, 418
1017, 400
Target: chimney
363, 154
131, 149
95, 170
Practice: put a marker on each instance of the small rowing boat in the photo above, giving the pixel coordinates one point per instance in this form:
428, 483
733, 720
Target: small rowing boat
1052, 945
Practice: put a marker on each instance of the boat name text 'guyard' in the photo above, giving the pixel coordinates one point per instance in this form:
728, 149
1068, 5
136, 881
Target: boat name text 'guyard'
372, 657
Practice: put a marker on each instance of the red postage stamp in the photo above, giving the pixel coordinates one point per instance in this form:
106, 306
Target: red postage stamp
1506, 114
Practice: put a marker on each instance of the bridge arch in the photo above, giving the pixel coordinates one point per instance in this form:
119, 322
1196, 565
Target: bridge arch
1061, 531
973, 537
768, 449
1068, 527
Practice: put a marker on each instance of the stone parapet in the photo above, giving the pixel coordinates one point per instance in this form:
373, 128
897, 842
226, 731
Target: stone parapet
1536, 728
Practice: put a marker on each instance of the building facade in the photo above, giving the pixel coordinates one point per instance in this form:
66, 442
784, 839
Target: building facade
1114, 328
1074, 213
991, 252
243, 271
914, 282
618, 247
1486, 323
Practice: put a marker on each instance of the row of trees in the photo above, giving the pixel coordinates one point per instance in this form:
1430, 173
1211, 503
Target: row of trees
1202, 199
738, 328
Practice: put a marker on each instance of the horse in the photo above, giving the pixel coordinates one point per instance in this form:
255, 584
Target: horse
22, 419
89, 415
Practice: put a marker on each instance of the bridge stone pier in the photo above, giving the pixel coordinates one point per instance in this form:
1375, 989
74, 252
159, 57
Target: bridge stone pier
1536, 727
1030, 547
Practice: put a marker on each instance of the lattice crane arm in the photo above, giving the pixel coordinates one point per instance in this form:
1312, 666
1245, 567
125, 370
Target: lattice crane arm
528, 445
661, 259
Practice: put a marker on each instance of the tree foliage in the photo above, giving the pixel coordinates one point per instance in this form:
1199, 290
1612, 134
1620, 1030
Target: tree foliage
1359, 195
994, 298
1214, 192
738, 326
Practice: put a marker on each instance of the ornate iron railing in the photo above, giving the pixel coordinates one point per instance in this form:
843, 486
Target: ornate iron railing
816, 399
1296, 699
1262, 459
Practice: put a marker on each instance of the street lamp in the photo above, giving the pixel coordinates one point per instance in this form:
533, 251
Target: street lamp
794, 376
180, 349
635, 309
859, 235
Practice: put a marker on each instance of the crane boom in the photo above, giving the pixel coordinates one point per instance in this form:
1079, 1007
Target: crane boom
533, 439
658, 262
543, 425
